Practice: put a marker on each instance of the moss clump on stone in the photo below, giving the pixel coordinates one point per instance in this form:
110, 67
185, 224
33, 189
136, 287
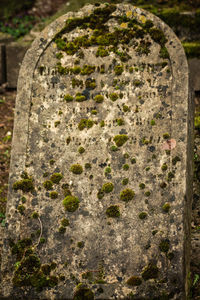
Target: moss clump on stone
120, 122
76, 169
107, 170
113, 211
126, 108
62, 229
83, 292
48, 185
56, 123
25, 185
80, 244
126, 167
102, 52
164, 167
53, 195
65, 222
85, 123
81, 150
125, 181
56, 178
90, 84
120, 139
87, 70
153, 122
21, 208
100, 194
113, 96
150, 272
166, 136
80, 98
175, 160
170, 176
98, 98
118, 69
137, 82
75, 70
163, 185
71, 203
142, 186
68, 98
107, 187
147, 193
158, 36
35, 215
102, 123
134, 281
164, 245
52, 162
61, 70
166, 207
114, 148
127, 195
142, 215
88, 166
59, 55
94, 112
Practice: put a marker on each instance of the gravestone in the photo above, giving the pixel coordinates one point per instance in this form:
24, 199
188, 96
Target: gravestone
101, 171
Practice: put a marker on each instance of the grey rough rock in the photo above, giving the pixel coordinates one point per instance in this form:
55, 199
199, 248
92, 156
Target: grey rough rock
46, 140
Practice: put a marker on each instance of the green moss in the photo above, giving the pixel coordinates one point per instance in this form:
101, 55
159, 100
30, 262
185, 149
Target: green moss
166, 136
61, 70
164, 167
133, 160
66, 192
114, 148
59, 55
125, 181
143, 47
107, 170
147, 169
90, 84
94, 112
147, 193
68, 140
76, 169
100, 194
113, 211
142, 215
120, 139
102, 52
164, 53
118, 69
87, 275
126, 155
158, 36
87, 70
175, 160
21, 208
170, 176
153, 122
81, 150
126, 108
102, 123
144, 141
48, 185
113, 96
85, 123
88, 166
25, 185
77, 83
164, 245
134, 281
107, 187
80, 244
61, 44
65, 222
52, 162
137, 82
80, 98
68, 98
62, 229
125, 167
53, 195
83, 292
42, 240
75, 70
142, 186
98, 98
127, 195
120, 122
35, 215
166, 207
71, 203
150, 272
56, 178
56, 123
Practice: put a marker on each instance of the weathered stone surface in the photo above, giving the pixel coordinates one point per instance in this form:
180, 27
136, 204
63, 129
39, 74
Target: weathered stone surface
194, 67
14, 57
100, 184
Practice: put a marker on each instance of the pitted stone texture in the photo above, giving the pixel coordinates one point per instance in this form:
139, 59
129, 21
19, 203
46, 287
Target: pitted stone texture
153, 114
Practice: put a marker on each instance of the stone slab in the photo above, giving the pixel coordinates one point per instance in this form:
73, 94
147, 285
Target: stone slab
101, 172
194, 67
14, 57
